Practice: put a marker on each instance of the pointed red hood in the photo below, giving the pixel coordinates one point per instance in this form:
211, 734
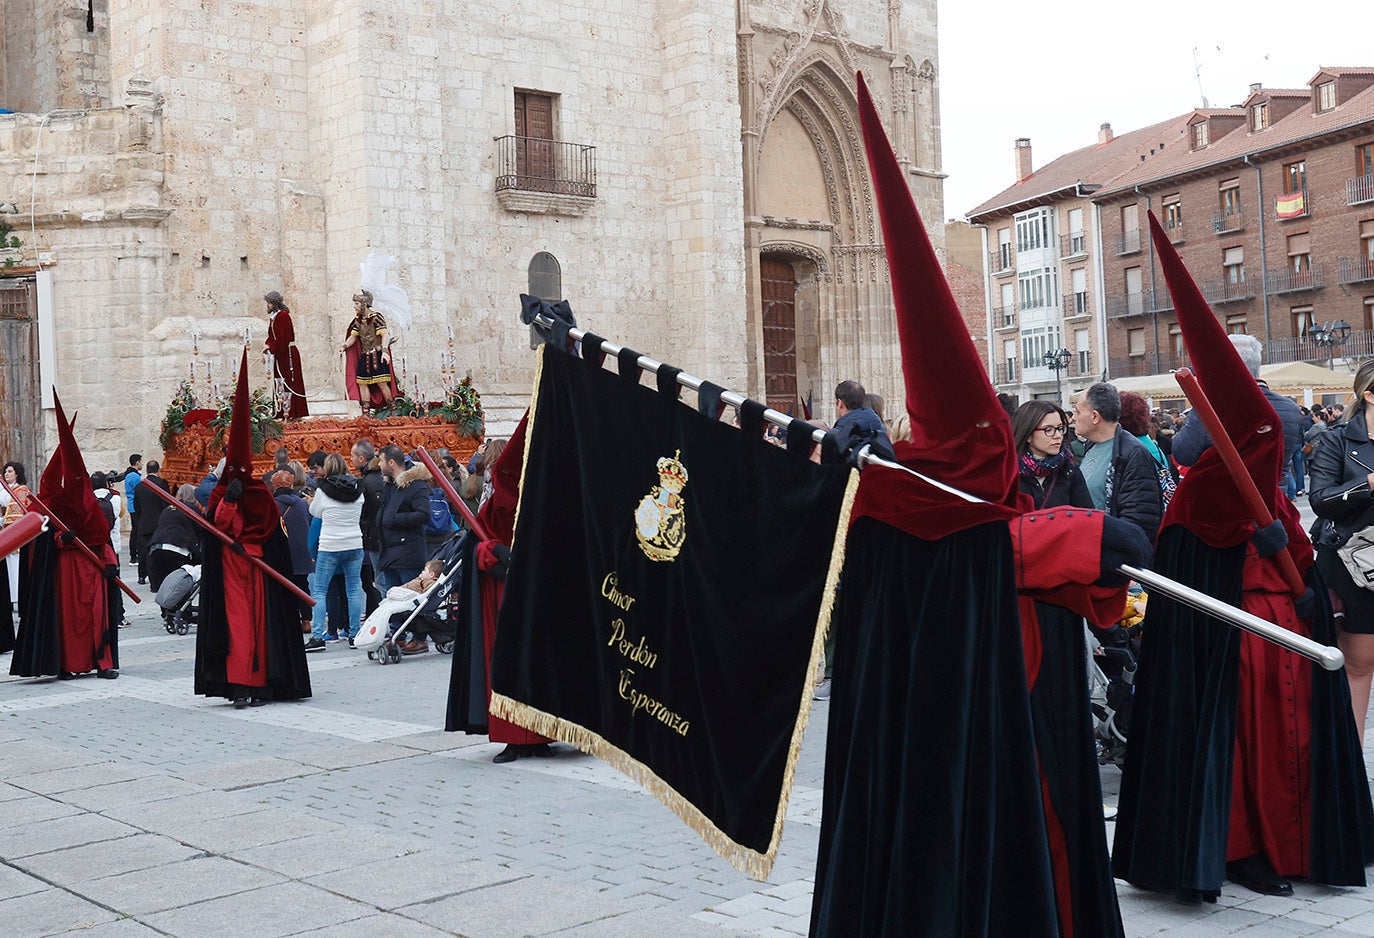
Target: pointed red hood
1207, 501
960, 435
238, 452
259, 509
498, 513
65, 486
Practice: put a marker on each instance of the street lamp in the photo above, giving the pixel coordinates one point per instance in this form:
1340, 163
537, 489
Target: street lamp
1057, 361
1331, 337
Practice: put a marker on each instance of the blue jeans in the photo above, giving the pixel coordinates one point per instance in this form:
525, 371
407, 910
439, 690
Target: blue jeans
326, 565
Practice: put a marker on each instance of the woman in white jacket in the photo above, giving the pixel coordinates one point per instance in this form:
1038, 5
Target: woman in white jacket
338, 503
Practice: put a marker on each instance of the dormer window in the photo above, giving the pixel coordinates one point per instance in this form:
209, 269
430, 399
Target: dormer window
1259, 116
1326, 96
1199, 135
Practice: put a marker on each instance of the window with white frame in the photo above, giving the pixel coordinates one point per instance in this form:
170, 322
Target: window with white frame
1302, 320
1079, 304
1034, 230
1038, 288
1077, 243
1082, 351
1008, 304
1003, 248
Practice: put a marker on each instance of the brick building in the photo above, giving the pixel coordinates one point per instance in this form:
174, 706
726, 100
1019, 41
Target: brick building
1271, 205
1043, 283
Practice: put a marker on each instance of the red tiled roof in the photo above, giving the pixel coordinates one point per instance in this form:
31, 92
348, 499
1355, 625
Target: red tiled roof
1299, 125
1092, 165
1339, 70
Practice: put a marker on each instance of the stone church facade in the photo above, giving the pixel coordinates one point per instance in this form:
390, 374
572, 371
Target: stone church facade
688, 174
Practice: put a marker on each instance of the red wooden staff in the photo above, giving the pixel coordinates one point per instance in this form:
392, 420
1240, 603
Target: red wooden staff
447, 486
1239, 474
18, 533
80, 544
258, 562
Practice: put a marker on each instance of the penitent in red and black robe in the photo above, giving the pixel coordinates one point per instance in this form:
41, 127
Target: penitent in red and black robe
1061, 556
248, 642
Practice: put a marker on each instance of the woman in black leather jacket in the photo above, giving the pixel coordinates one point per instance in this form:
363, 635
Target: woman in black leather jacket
1340, 494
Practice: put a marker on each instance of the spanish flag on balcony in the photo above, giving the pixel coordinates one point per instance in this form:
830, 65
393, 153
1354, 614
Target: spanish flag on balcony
1291, 205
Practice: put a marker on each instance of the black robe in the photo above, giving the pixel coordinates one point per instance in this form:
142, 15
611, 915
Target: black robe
8, 607
1175, 806
1062, 717
933, 822
467, 686
38, 644
288, 675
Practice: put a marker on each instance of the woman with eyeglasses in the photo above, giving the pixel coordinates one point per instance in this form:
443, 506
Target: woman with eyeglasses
1047, 471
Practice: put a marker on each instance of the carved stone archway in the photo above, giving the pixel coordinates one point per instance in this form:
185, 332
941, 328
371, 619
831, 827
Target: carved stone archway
844, 322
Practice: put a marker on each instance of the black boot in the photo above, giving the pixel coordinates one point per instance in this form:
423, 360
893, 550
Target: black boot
1256, 874
509, 754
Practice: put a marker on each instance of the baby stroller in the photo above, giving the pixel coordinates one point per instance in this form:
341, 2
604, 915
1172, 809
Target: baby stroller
403, 610
177, 596
1113, 657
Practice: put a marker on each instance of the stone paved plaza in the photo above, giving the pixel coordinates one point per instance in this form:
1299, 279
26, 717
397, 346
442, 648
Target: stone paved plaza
132, 807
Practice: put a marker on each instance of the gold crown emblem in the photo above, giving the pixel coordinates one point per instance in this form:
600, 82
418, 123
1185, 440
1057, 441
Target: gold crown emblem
672, 473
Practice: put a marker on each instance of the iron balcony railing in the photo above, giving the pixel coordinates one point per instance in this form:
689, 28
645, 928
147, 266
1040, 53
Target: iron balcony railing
1001, 260
1158, 301
1226, 290
1355, 269
1004, 316
1359, 189
1081, 364
1008, 372
1294, 281
1295, 348
1227, 222
1131, 365
533, 164
1076, 304
1073, 244
1128, 242
1125, 304
1175, 232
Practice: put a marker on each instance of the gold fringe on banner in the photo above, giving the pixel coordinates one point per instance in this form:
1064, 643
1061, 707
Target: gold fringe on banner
746, 860
529, 435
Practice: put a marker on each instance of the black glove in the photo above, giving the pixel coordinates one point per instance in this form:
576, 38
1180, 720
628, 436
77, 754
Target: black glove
111, 572
68, 536
1306, 604
1122, 542
1270, 539
233, 490
236, 547
502, 553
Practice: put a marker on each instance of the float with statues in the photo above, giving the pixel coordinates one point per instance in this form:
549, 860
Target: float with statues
192, 433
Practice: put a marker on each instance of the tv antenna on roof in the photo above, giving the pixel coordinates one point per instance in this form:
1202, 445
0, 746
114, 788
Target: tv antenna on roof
1197, 73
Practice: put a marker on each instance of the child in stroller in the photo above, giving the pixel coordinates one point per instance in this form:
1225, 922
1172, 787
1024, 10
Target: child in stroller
415, 611
176, 597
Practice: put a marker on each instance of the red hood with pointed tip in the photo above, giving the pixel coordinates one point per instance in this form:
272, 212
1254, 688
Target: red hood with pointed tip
65, 486
1207, 501
960, 435
259, 509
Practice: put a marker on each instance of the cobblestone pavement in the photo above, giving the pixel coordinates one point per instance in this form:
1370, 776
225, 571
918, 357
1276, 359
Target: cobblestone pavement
132, 807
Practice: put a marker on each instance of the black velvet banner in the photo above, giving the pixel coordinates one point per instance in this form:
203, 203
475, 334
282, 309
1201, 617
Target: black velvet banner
670, 583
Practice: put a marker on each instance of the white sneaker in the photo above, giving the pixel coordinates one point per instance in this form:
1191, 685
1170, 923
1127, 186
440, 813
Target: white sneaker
822, 691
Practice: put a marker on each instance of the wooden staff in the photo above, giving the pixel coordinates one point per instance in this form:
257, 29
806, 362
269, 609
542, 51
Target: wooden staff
18, 533
232, 544
447, 486
63, 528
1226, 449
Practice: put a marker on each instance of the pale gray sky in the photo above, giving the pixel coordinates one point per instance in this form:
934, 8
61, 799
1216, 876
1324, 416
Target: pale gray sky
1054, 71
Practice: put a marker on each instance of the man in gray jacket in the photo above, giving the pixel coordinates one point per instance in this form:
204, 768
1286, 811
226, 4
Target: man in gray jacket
1191, 441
